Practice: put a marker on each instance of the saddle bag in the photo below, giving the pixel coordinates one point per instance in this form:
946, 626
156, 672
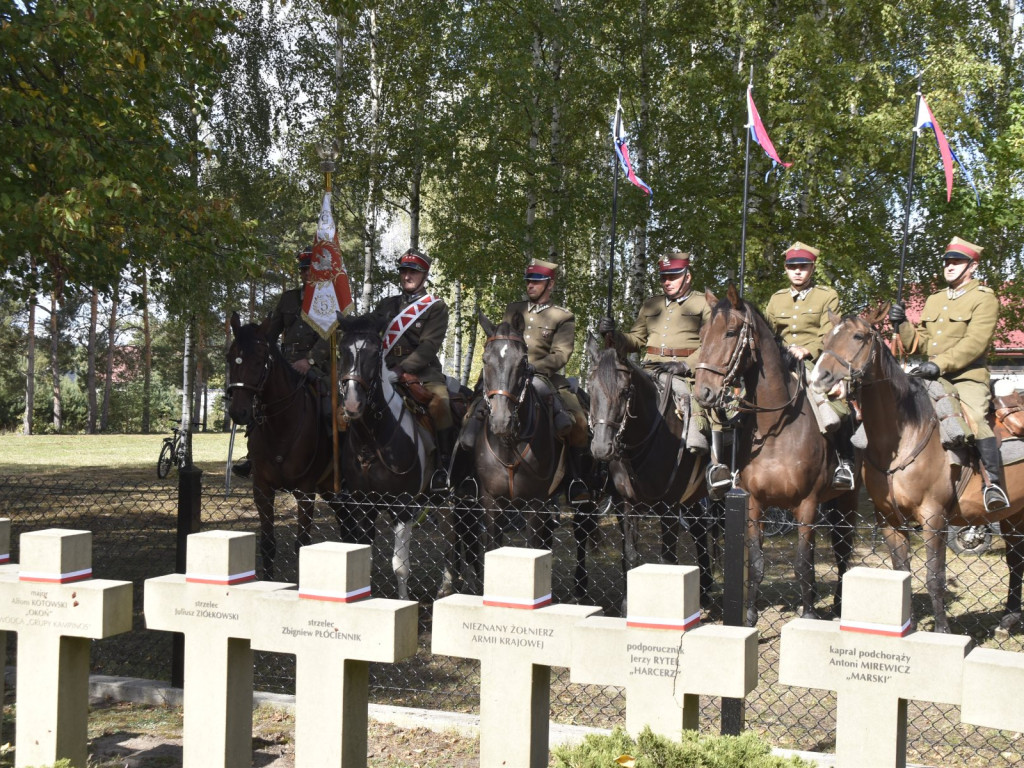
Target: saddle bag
1010, 411
952, 425
415, 389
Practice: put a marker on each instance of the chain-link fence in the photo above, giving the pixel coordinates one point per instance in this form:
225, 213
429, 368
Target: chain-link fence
135, 530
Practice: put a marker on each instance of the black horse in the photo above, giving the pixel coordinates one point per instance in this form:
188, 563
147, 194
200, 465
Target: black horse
518, 459
289, 445
638, 430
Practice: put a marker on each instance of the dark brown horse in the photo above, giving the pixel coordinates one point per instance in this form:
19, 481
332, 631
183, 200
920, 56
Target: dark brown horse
638, 430
518, 459
906, 469
783, 459
289, 445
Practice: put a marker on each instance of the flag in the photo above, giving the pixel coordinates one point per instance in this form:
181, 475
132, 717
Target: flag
328, 291
622, 151
925, 119
758, 132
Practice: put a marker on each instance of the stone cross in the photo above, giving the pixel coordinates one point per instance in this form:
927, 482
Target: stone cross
518, 635
335, 629
214, 604
874, 661
661, 655
57, 609
993, 681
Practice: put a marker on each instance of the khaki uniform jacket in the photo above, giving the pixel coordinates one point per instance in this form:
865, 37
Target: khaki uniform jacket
956, 333
669, 325
416, 350
550, 335
297, 338
802, 322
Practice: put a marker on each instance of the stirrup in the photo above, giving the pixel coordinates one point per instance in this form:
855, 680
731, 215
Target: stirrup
842, 480
577, 492
719, 480
438, 481
995, 499
242, 468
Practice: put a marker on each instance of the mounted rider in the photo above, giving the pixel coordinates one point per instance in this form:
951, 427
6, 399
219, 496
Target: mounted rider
799, 316
667, 333
301, 345
418, 322
956, 330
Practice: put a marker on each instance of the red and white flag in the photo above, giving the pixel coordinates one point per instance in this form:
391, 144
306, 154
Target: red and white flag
328, 291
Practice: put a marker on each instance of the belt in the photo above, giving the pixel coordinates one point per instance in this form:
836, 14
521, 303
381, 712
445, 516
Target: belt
670, 352
398, 350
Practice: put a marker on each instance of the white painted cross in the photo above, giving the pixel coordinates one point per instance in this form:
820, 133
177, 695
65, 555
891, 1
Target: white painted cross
875, 662
57, 609
334, 628
214, 604
661, 655
993, 681
518, 636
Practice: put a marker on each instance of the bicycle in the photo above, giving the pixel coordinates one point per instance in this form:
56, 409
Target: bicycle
170, 453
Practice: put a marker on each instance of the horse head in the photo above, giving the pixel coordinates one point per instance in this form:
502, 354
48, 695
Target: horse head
249, 361
611, 389
725, 339
506, 375
849, 349
360, 357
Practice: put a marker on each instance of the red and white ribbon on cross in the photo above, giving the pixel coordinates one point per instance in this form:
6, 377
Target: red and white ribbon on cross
404, 319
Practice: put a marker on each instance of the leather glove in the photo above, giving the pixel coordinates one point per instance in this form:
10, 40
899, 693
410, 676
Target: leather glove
897, 314
605, 325
926, 370
676, 368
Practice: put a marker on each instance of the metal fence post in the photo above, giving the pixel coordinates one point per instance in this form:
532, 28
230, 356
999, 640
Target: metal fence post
734, 574
190, 491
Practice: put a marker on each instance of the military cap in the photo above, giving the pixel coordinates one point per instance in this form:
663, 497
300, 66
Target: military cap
674, 263
414, 259
801, 253
961, 249
538, 269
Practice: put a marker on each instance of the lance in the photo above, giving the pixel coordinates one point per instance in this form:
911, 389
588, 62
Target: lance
615, 207
746, 193
910, 194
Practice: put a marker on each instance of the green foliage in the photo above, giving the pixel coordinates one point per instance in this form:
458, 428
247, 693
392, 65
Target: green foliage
653, 751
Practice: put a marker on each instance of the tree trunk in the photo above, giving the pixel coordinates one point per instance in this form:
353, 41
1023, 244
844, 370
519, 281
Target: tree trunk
414, 205
531, 182
108, 385
147, 356
30, 366
198, 406
58, 403
467, 368
457, 342
370, 235
90, 380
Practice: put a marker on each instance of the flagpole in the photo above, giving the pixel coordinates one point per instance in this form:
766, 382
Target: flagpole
910, 193
327, 166
615, 206
746, 189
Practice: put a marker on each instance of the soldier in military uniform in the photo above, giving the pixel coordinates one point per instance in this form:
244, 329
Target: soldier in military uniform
667, 334
414, 356
956, 330
307, 351
799, 316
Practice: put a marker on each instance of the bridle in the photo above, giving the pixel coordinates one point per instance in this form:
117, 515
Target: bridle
256, 389
515, 398
618, 439
369, 387
855, 376
733, 368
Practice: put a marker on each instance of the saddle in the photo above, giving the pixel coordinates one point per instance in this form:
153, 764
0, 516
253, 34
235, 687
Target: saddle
1009, 415
422, 402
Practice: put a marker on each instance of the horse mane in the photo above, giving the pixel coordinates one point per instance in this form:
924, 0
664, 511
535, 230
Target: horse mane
362, 324
788, 360
246, 338
911, 396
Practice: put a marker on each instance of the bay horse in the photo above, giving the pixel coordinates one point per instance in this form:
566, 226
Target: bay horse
518, 458
386, 451
906, 469
289, 446
639, 432
782, 457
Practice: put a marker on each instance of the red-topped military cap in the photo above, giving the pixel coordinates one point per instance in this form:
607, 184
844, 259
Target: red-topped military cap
414, 259
961, 249
538, 269
674, 263
305, 258
801, 253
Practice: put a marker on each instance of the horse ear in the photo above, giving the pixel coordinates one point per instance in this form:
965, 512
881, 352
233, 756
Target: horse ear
733, 296
875, 315
518, 324
710, 298
593, 348
236, 323
486, 324
834, 318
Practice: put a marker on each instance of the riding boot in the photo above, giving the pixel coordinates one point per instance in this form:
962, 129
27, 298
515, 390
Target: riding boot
577, 491
843, 478
718, 477
995, 493
474, 421
242, 468
445, 445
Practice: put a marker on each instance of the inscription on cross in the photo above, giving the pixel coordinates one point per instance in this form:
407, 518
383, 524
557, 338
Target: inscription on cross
334, 628
57, 609
660, 654
214, 604
875, 662
518, 635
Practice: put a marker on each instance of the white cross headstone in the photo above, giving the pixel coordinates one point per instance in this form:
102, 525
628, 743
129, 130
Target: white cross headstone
660, 654
334, 628
874, 661
57, 609
214, 604
518, 635
993, 681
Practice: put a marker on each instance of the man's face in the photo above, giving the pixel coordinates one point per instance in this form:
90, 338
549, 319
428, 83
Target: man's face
957, 271
799, 275
675, 286
411, 280
539, 291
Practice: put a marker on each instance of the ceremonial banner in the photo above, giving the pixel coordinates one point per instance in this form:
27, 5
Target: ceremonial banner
328, 291
758, 132
622, 151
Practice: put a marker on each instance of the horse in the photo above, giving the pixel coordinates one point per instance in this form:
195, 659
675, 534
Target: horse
906, 469
783, 458
639, 432
518, 458
289, 446
386, 450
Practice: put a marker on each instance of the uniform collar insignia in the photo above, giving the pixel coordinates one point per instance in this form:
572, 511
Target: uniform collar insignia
800, 295
538, 307
679, 299
957, 293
